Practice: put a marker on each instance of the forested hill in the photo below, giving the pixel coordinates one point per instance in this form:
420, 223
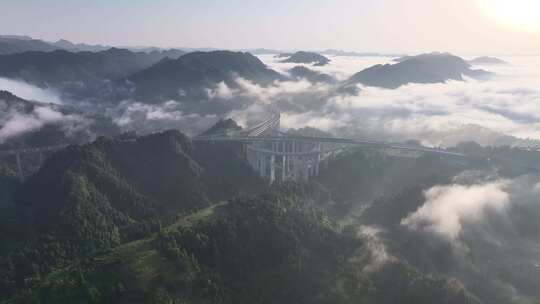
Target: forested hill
99, 195
272, 248
157, 219
424, 68
188, 77
112, 183
59, 67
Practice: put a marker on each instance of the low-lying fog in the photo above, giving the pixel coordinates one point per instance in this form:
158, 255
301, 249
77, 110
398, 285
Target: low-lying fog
436, 114
504, 110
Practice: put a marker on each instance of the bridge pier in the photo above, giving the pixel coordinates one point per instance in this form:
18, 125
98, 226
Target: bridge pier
281, 161
19, 167
272, 169
283, 167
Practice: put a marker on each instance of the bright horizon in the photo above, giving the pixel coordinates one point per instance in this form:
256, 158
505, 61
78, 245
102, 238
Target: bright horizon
480, 27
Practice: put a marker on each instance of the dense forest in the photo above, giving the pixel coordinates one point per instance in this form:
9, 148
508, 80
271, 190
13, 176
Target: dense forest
161, 219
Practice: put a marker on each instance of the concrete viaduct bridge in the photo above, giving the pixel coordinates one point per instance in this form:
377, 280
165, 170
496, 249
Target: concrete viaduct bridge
280, 157
276, 156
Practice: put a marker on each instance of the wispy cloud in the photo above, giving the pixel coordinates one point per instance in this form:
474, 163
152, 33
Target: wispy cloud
437, 114
29, 92
15, 123
145, 118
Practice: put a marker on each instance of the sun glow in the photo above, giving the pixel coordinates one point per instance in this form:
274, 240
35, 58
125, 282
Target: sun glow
520, 14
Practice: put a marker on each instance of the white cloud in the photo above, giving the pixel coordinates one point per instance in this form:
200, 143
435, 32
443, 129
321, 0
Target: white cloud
128, 112
145, 118
29, 92
259, 100
437, 114
307, 119
279, 89
378, 253
341, 67
16, 123
221, 91
448, 207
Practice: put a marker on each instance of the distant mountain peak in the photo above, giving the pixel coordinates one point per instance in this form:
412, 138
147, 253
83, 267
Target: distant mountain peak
223, 126
301, 72
433, 67
307, 58
65, 43
189, 76
19, 37
7, 95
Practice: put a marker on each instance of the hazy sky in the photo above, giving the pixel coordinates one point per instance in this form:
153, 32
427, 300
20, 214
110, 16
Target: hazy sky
462, 26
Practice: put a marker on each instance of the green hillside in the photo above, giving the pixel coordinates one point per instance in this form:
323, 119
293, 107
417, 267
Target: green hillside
159, 219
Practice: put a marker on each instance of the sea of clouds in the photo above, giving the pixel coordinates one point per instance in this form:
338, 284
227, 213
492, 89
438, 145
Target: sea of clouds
489, 225
504, 110
436, 114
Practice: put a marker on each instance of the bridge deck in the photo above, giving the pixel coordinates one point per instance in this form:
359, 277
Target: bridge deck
327, 140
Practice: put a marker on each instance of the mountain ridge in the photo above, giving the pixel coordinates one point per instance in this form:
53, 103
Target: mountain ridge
191, 74
425, 69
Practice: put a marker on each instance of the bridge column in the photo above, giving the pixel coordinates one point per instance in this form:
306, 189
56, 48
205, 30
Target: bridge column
305, 168
272, 169
294, 161
263, 165
19, 167
40, 160
275, 148
284, 168
318, 164
287, 158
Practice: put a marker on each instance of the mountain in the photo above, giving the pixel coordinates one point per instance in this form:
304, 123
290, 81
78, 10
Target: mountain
18, 37
25, 44
97, 195
58, 67
27, 124
332, 52
16, 44
262, 51
223, 126
167, 53
229, 253
481, 135
80, 47
489, 251
17, 115
189, 77
301, 72
11, 100
173, 53
307, 58
270, 248
162, 219
426, 68
486, 60
78, 74
20, 122
12, 44
283, 55
200, 49
8, 183
92, 197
